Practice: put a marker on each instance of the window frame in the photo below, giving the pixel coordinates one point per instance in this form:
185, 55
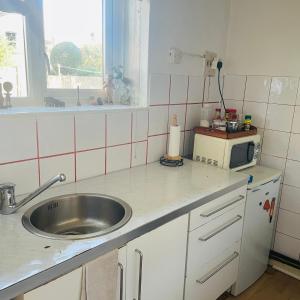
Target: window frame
113, 50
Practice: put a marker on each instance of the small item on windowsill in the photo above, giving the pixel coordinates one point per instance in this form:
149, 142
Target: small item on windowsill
173, 159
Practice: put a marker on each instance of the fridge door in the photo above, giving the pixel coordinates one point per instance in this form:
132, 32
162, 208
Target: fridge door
257, 237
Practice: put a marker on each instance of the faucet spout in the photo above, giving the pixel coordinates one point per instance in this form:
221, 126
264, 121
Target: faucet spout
8, 204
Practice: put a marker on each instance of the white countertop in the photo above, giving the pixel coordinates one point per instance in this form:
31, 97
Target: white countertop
154, 192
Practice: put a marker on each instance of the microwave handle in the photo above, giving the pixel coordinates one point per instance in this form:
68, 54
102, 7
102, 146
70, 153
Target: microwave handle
251, 146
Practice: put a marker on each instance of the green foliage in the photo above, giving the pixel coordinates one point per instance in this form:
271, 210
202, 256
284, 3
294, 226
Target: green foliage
67, 55
6, 53
91, 60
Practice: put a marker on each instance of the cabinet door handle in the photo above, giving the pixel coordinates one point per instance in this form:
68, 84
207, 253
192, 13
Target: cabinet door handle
121, 280
218, 268
215, 210
220, 229
140, 253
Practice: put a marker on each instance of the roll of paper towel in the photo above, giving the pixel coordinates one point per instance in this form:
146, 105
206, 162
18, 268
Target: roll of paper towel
174, 141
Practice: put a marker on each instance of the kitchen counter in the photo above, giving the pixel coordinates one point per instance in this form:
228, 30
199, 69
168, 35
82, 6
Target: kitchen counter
156, 194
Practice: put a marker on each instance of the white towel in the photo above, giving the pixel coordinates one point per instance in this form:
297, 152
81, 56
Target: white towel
99, 278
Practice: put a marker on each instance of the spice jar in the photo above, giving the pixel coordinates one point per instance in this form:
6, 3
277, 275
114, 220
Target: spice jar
247, 122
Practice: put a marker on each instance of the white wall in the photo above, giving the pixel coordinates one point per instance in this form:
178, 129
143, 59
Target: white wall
264, 37
263, 40
191, 25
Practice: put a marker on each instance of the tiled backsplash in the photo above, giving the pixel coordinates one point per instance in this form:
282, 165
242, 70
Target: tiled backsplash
274, 103
86, 144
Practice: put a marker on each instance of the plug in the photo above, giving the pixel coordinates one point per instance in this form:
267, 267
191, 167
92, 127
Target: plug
220, 65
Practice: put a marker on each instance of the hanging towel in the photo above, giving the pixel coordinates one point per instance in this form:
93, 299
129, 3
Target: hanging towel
99, 278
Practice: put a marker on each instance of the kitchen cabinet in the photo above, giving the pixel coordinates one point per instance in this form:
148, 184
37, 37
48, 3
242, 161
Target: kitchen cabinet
156, 263
214, 246
122, 266
67, 287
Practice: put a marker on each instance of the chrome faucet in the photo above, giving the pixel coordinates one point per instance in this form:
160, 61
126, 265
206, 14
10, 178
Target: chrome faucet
8, 204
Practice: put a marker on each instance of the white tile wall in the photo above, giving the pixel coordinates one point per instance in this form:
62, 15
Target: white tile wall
90, 130
290, 199
279, 117
234, 87
193, 116
140, 125
118, 158
139, 153
258, 112
271, 102
56, 134
214, 93
19, 140
257, 88
159, 89
296, 121
294, 147
179, 89
196, 89
52, 166
292, 173
157, 146
90, 163
158, 119
275, 143
23, 174
284, 90
236, 104
118, 128
287, 245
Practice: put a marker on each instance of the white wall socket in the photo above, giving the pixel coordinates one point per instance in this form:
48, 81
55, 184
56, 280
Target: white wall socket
175, 56
210, 63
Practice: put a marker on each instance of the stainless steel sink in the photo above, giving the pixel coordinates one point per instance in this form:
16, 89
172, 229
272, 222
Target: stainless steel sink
77, 216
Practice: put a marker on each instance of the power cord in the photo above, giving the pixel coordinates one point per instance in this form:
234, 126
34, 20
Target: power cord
219, 67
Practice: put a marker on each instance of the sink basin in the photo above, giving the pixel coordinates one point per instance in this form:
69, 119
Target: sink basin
77, 216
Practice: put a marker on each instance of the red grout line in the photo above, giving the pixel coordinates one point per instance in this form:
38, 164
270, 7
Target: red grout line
185, 116
160, 134
88, 150
38, 151
141, 141
57, 155
118, 145
75, 155
105, 168
153, 105
18, 161
131, 139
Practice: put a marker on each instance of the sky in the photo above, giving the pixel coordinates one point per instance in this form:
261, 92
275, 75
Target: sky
74, 21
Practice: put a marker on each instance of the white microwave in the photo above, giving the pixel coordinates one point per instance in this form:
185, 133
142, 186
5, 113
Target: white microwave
232, 154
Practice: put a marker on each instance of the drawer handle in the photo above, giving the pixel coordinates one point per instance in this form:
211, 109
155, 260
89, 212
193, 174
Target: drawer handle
214, 211
218, 268
220, 229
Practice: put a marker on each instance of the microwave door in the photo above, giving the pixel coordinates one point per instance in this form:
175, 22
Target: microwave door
241, 154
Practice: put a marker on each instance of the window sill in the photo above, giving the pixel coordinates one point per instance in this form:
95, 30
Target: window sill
75, 109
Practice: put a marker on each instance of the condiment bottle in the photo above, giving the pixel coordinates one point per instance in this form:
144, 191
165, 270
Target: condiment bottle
247, 122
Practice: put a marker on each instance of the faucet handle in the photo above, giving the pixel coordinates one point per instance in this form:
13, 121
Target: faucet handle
7, 195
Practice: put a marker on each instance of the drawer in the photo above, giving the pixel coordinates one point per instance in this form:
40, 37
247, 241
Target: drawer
217, 207
211, 239
215, 277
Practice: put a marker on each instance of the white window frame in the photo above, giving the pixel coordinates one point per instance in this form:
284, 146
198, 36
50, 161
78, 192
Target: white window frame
114, 44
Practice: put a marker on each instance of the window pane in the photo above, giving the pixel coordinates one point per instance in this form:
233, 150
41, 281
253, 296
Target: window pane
12, 52
73, 39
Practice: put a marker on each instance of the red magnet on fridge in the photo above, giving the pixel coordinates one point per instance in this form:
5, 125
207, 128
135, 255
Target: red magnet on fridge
267, 205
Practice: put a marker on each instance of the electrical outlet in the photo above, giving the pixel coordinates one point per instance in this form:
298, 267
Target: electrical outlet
175, 56
210, 66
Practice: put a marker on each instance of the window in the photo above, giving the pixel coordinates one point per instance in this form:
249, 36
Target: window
12, 52
74, 46
66, 52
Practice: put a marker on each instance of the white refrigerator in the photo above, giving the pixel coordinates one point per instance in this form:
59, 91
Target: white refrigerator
259, 225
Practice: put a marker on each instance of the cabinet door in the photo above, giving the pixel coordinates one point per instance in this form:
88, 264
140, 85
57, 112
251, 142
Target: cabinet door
156, 263
67, 287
